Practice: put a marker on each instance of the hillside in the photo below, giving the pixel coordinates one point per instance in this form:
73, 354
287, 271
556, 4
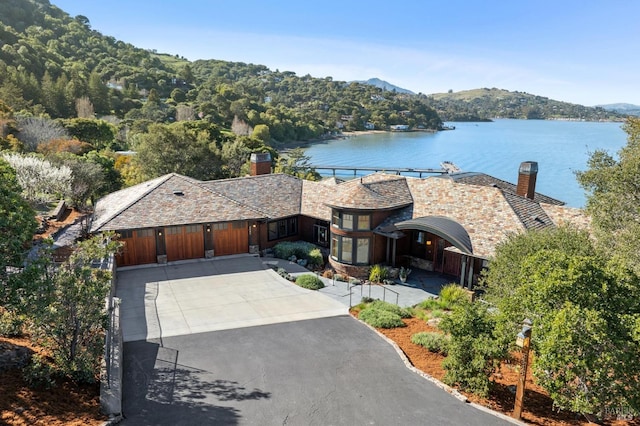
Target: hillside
385, 85
482, 104
623, 108
50, 60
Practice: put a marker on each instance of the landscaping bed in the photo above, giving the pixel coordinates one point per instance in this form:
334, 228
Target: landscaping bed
64, 404
538, 407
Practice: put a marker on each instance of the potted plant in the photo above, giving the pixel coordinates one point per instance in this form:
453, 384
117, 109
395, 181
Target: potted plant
404, 273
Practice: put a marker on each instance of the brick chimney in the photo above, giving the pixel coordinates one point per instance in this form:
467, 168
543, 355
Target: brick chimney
527, 179
260, 163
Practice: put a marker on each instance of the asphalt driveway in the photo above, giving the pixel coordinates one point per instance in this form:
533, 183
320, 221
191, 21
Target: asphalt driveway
209, 295
331, 371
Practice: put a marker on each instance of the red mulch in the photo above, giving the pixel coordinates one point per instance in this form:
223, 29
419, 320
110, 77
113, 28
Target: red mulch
538, 406
65, 404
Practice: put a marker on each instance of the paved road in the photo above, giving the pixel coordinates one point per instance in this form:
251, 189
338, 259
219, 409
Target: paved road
330, 371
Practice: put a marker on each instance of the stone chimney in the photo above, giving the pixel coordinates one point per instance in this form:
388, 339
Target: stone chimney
527, 179
260, 163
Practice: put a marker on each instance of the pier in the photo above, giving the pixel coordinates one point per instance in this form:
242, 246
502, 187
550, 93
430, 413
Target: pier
395, 170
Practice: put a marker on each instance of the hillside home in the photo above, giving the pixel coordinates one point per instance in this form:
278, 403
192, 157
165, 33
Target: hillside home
448, 224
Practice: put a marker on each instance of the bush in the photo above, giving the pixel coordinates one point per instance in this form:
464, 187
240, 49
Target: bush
310, 282
11, 324
39, 372
377, 273
381, 319
452, 294
299, 249
433, 342
474, 351
390, 307
328, 273
340, 277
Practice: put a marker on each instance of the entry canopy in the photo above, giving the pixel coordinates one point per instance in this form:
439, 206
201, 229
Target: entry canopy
443, 227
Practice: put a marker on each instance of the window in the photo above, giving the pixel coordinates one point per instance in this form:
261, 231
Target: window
238, 224
351, 221
347, 250
364, 222
350, 250
141, 233
220, 226
193, 229
320, 235
126, 233
174, 230
282, 228
362, 251
347, 221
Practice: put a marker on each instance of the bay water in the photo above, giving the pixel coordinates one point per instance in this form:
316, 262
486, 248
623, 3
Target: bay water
496, 148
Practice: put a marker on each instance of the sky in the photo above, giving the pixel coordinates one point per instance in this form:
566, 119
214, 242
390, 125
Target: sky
585, 52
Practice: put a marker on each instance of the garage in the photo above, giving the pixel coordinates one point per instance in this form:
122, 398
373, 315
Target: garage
139, 247
184, 242
230, 238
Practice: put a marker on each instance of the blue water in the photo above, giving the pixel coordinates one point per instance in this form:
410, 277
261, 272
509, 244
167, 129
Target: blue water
496, 148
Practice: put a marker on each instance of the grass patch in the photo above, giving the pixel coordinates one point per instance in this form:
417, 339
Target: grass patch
310, 282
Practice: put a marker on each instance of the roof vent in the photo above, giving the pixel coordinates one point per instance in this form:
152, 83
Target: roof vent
178, 192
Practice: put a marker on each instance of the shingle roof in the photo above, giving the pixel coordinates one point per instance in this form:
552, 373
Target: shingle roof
373, 192
313, 196
529, 212
169, 200
275, 195
482, 179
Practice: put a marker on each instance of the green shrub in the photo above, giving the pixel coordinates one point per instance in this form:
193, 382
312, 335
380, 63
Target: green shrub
299, 249
340, 277
390, 307
452, 294
381, 319
315, 257
433, 342
310, 282
39, 372
11, 324
284, 274
378, 273
474, 352
431, 304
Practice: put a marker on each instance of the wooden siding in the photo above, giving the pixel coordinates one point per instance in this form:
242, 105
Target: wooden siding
139, 247
452, 263
184, 242
230, 238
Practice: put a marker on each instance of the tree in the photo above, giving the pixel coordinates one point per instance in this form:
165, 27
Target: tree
296, 164
585, 310
614, 197
36, 130
67, 309
261, 133
84, 108
98, 94
179, 148
39, 179
17, 224
98, 133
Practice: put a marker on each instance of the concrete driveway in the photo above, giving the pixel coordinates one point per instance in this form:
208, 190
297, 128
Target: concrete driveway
329, 371
209, 295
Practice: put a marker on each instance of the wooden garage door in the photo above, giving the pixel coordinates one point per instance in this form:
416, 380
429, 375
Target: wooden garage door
230, 238
139, 247
184, 242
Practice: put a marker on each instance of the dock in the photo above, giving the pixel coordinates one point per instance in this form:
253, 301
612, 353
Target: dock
394, 170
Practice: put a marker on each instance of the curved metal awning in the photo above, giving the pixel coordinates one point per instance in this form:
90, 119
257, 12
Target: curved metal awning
443, 227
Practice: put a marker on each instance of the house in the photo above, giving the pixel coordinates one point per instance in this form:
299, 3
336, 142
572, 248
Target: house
399, 127
449, 223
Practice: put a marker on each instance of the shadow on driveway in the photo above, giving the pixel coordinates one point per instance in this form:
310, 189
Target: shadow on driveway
162, 391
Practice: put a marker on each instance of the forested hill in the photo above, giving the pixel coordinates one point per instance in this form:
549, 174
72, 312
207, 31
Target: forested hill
479, 104
49, 60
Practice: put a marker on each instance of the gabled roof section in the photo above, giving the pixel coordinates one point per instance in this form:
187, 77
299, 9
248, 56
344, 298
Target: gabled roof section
482, 179
275, 195
313, 196
530, 213
170, 200
377, 191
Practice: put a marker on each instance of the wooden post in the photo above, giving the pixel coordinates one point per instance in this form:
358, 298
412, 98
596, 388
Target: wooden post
524, 337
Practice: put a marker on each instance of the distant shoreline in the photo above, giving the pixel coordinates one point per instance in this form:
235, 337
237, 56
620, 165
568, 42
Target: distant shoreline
287, 146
